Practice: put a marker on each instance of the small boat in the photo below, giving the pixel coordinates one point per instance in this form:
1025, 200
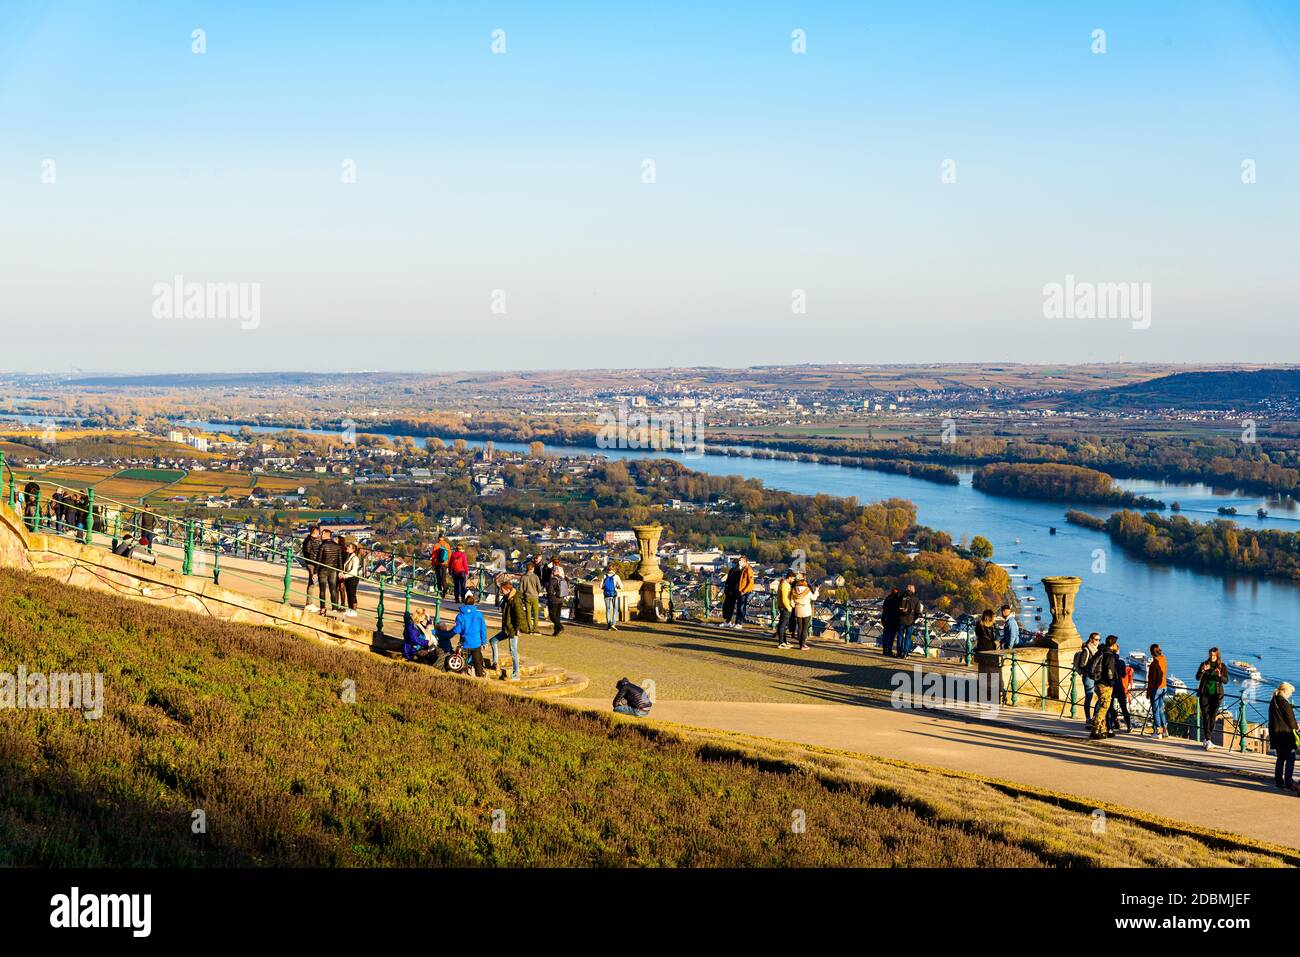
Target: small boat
1178, 684
1017, 541
1244, 669
1051, 530
1139, 660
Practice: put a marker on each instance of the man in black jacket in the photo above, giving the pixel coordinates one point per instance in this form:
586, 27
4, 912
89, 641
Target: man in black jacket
310, 561
631, 700
909, 610
889, 620
557, 593
330, 557
1103, 668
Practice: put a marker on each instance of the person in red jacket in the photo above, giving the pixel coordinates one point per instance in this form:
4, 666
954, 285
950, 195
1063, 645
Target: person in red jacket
459, 565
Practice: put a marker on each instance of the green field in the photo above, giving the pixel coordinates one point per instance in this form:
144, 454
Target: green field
250, 726
152, 475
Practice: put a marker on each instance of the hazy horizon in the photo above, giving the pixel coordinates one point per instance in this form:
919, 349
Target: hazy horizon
499, 216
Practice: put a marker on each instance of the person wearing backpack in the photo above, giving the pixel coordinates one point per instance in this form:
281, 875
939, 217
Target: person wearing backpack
610, 588
439, 558
1283, 734
1103, 669
1081, 659
459, 566
1211, 678
557, 592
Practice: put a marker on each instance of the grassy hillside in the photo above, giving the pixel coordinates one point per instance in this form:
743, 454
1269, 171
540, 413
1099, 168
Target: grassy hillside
1233, 389
249, 725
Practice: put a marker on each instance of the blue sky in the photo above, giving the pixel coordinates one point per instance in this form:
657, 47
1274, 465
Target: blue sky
522, 172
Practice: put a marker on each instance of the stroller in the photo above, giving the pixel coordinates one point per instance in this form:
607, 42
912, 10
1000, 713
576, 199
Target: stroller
415, 647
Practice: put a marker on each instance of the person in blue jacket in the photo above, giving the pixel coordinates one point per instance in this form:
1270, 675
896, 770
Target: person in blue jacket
418, 638
472, 631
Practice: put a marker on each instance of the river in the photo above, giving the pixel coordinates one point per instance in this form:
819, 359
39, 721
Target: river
1184, 610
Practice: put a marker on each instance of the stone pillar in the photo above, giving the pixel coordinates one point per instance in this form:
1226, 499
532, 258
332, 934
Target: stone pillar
647, 543
1062, 639
648, 578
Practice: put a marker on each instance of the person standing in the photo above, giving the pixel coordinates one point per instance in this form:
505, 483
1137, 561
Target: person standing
530, 585
1157, 688
512, 621
1119, 695
744, 588
472, 630
889, 619
610, 587
1103, 669
1211, 678
986, 631
1283, 735
330, 557
1010, 628
438, 558
349, 576
31, 496
802, 596
311, 562
730, 594
1081, 660
557, 591
909, 612
459, 566
784, 608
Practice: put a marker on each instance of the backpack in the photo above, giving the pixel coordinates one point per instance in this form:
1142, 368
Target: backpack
1097, 666
1081, 660
562, 588
610, 588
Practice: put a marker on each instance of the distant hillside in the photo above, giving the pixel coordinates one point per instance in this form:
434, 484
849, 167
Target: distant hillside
1199, 390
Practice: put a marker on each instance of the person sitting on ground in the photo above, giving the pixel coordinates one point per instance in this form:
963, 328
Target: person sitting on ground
631, 699
125, 546
1104, 669
419, 642
471, 629
512, 622
1283, 736
610, 587
801, 597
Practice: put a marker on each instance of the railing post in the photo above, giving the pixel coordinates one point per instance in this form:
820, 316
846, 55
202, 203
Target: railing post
1013, 676
36, 519
771, 614
288, 571
1073, 695
1198, 719
187, 563
379, 609
848, 622
1241, 721
708, 596
89, 517
968, 649
408, 596
437, 607
6, 485
1043, 679
927, 636
216, 559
